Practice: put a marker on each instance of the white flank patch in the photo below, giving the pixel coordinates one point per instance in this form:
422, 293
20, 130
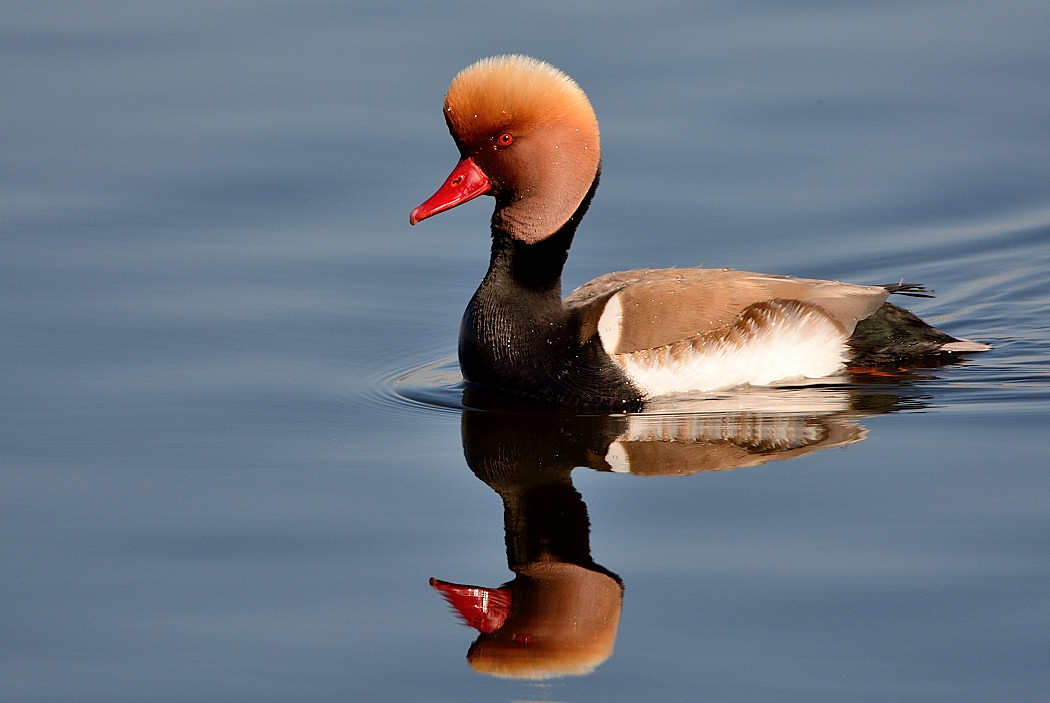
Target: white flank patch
609, 324
791, 345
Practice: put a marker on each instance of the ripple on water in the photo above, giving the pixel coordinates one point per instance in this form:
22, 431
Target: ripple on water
434, 386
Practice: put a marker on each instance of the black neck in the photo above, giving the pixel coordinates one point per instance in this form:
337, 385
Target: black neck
537, 267
517, 336
534, 268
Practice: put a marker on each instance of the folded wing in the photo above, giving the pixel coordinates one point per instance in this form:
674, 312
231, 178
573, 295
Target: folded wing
649, 308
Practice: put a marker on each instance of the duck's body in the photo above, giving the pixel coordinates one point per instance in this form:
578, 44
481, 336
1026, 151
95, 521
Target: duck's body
528, 136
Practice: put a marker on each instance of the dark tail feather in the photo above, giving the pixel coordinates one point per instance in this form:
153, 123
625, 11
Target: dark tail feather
893, 334
915, 290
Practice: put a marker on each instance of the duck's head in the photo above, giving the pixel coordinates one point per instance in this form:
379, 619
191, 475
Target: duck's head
528, 136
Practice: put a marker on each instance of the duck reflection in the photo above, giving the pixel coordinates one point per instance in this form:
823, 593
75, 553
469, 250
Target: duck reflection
559, 615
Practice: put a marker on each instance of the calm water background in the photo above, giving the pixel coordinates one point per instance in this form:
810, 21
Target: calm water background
212, 489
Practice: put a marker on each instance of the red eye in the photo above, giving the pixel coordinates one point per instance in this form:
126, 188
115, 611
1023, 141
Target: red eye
505, 139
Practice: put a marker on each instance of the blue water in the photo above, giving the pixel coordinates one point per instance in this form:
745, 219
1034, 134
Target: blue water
233, 449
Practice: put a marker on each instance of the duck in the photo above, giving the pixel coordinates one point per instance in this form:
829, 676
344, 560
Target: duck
528, 136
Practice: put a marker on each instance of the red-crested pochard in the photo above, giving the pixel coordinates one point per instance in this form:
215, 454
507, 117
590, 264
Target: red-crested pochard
528, 136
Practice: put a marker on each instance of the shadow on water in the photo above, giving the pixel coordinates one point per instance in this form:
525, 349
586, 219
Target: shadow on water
559, 614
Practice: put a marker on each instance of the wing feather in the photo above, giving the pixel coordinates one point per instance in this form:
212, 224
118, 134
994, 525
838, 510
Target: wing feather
662, 306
